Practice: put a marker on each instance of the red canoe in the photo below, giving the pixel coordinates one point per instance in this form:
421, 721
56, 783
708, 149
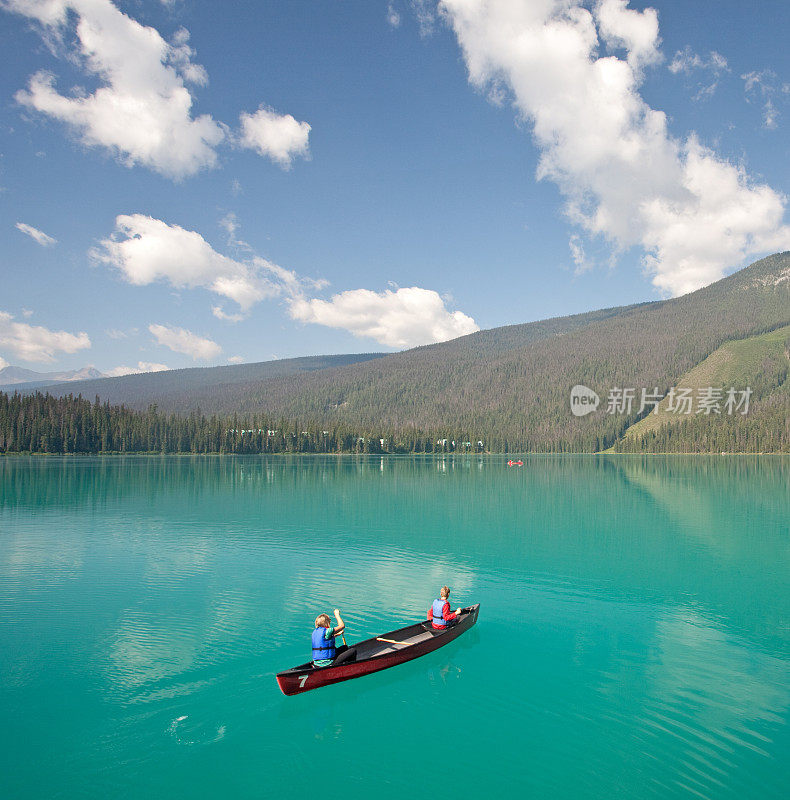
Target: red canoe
382, 652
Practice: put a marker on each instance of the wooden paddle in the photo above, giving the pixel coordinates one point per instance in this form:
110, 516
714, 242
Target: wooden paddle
342, 635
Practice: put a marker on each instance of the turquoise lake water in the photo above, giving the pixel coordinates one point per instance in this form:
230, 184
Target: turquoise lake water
633, 639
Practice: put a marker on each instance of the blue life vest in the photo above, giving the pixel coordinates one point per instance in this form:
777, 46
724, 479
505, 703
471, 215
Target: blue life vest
438, 613
323, 648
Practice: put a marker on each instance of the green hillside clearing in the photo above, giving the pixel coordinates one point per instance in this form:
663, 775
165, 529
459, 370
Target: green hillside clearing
758, 362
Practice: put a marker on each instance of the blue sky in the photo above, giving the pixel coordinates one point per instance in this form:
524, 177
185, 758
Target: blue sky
187, 183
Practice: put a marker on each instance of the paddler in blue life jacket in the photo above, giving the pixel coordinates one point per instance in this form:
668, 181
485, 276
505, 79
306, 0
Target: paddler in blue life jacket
325, 651
439, 614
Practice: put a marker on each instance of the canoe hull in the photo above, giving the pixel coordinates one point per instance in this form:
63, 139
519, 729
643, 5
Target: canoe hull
307, 677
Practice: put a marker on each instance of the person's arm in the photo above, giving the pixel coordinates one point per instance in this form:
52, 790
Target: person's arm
430, 614
447, 614
341, 626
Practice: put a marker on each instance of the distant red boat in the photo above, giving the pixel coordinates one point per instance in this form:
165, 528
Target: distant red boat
515, 463
379, 653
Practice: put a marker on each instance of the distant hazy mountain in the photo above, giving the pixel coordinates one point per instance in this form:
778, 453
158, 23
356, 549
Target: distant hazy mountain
21, 378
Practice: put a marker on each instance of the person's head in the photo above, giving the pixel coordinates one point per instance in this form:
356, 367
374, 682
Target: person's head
445, 593
322, 621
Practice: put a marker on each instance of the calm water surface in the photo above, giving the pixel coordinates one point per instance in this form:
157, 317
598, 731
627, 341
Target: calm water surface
633, 641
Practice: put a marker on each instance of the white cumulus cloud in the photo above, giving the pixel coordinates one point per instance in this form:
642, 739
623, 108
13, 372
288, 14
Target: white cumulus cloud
180, 340
687, 61
713, 65
146, 250
141, 110
142, 366
583, 264
37, 343
765, 86
393, 17
116, 333
634, 31
401, 318
34, 233
574, 71
220, 313
280, 137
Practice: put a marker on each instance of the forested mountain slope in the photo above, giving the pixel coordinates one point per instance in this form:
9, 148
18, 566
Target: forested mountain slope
226, 389
510, 386
514, 393
173, 389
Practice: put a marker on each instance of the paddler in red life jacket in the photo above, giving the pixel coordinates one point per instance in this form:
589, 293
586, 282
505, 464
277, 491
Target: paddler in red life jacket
325, 652
439, 613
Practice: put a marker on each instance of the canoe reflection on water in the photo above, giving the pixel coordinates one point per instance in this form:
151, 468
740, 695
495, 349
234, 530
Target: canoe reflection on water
380, 652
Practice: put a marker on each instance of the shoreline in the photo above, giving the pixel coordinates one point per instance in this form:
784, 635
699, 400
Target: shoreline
607, 454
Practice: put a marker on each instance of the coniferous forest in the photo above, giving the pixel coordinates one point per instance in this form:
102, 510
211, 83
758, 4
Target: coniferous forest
41, 423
